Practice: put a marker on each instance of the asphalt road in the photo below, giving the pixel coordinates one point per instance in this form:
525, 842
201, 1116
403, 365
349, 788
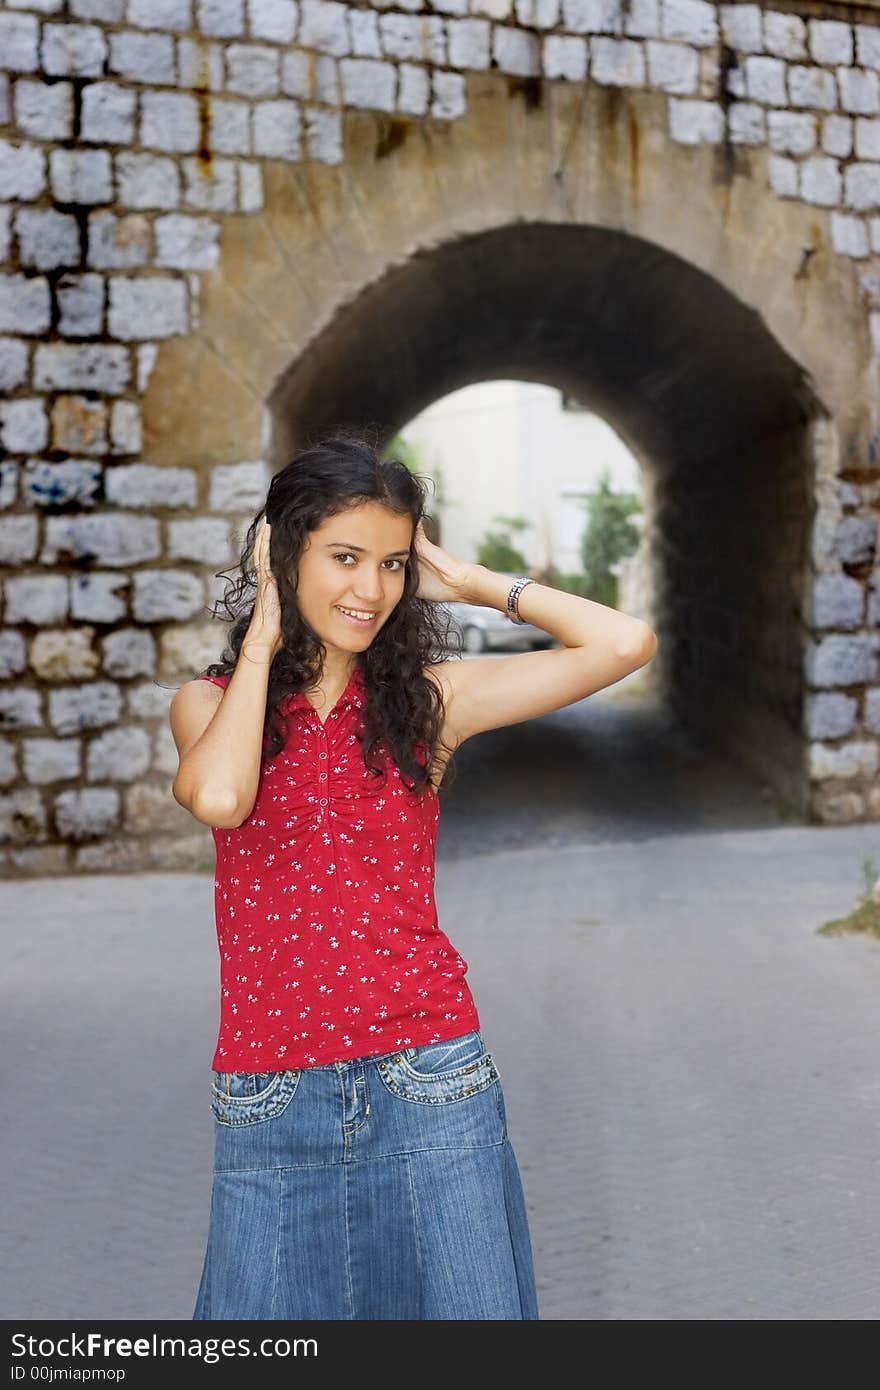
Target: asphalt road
690, 1071
610, 768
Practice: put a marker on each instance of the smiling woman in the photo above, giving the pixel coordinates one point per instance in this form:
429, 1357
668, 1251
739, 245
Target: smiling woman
356, 1107
340, 559
362, 615
362, 582
363, 1167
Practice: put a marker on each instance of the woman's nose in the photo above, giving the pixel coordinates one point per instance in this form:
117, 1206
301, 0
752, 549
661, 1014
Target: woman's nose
369, 588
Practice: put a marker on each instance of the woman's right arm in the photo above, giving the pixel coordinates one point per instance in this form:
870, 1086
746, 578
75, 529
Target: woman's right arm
219, 737
219, 733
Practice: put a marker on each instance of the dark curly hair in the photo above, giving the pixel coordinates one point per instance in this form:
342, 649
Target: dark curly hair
404, 708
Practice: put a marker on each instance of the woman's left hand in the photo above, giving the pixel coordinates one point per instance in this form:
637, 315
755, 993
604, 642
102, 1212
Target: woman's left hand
442, 578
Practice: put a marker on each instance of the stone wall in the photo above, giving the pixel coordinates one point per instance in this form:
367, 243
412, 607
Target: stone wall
138, 136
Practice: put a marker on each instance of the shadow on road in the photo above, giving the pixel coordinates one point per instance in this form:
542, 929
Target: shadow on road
612, 767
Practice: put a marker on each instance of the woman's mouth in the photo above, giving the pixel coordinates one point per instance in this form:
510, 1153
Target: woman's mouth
358, 616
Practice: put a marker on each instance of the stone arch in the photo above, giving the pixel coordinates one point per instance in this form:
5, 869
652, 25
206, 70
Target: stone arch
697, 326
720, 417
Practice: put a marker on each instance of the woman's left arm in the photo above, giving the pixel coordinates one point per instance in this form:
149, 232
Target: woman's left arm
601, 646
574, 621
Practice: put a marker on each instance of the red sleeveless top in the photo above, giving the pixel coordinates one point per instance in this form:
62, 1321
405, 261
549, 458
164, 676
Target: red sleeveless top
327, 928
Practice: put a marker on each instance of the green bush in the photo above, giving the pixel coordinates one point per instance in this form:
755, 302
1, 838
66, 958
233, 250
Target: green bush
609, 537
497, 551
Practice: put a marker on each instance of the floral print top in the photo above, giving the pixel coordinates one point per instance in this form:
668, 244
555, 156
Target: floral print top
327, 928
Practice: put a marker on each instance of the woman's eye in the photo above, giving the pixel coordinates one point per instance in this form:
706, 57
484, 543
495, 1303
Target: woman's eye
347, 555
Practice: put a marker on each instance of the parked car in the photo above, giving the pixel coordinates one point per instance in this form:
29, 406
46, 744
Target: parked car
488, 629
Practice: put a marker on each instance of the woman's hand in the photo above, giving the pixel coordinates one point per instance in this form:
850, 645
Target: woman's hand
264, 631
442, 578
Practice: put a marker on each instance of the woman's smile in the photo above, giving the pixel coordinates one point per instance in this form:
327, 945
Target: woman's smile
359, 616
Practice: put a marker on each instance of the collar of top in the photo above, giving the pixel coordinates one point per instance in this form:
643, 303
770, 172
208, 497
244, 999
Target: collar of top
353, 694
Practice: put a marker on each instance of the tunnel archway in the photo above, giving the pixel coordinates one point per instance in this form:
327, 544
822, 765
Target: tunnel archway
676, 291
719, 415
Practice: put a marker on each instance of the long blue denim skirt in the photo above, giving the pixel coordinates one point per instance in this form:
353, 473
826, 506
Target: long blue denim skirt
379, 1187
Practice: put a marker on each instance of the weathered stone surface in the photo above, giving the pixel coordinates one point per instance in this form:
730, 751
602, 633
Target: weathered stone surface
62, 655
838, 660
838, 601
79, 425
830, 715
238, 485
22, 817
162, 595
48, 760
148, 809
854, 759
88, 706
143, 485
129, 651
12, 654
140, 140
25, 304
120, 755
40, 599
98, 598
20, 709
86, 814
187, 648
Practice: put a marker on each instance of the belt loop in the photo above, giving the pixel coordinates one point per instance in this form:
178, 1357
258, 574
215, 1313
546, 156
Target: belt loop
228, 1080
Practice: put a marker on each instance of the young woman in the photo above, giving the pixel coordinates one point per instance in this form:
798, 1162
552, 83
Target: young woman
362, 1165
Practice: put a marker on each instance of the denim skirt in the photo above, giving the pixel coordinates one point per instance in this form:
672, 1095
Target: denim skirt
379, 1187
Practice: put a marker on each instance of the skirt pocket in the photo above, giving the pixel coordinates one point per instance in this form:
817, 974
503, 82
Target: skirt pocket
440, 1073
248, 1097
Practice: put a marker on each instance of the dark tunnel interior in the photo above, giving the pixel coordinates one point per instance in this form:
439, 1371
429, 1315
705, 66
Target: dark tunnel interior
717, 414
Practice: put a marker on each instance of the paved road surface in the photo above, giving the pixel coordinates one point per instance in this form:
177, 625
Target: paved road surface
692, 1075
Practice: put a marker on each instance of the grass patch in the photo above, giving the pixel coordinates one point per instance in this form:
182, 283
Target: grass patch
864, 918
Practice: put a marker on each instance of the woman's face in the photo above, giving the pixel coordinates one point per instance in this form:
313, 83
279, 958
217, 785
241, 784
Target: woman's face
354, 561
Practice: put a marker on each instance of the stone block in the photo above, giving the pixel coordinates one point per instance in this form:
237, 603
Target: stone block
44, 110
167, 595
253, 70
144, 58
81, 367
64, 654
146, 307
49, 760
98, 598
116, 539
170, 121
130, 651
617, 62
147, 181
118, 243
40, 599
93, 705
673, 67
831, 41
87, 814
830, 715
22, 171
46, 483
108, 111
119, 755
19, 537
